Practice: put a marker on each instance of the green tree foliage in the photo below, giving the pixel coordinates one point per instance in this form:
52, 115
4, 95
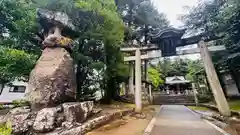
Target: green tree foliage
139, 16
222, 18
18, 25
192, 69
196, 72
6, 129
15, 64
17, 43
155, 77
174, 67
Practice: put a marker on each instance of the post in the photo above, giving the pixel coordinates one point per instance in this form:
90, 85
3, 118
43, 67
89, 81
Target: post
123, 88
145, 70
178, 89
213, 80
147, 86
130, 81
195, 93
150, 93
138, 85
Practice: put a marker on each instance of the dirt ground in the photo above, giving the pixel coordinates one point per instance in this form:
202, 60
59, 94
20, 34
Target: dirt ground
128, 125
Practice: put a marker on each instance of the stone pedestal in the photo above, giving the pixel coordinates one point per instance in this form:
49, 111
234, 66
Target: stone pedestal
52, 81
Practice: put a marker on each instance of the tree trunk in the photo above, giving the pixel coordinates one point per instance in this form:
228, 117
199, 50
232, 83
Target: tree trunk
80, 73
110, 79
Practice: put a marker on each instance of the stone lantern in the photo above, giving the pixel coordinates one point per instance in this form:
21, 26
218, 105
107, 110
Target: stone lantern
52, 81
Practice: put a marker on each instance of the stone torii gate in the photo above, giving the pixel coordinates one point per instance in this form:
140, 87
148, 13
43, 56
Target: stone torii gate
138, 78
167, 41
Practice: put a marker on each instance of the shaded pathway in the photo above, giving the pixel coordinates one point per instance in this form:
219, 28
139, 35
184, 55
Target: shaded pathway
179, 120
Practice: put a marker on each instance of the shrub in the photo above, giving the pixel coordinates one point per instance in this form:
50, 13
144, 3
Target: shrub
20, 103
5, 129
203, 98
1, 106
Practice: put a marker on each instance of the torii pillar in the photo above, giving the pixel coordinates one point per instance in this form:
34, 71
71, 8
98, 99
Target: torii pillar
138, 82
212, 77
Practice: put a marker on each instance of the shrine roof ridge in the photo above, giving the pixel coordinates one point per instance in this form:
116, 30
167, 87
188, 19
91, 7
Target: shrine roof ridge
159, 33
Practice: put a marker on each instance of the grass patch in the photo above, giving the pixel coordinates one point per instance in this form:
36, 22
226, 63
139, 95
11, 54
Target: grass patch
234, 105
198, 108
5, 129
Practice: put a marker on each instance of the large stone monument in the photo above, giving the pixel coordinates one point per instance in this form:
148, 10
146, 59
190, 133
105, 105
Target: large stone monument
52, 81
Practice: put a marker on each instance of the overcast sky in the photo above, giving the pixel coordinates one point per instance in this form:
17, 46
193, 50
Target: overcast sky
173, 8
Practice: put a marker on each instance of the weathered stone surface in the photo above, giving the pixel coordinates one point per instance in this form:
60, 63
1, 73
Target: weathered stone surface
20, 110
77, 112
54, 18
235, 124
72, 131
139, 116
21, 123
12, 113
96, 111
45, 120
69, 125
52, 81
73, 128
59, 119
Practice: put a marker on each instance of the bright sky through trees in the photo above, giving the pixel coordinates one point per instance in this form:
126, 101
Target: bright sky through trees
173, 8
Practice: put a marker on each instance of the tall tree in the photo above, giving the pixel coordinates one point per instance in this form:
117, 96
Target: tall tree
140, 16
15, 64
174, 67
219, 17
18, 25
155, 76
17, 44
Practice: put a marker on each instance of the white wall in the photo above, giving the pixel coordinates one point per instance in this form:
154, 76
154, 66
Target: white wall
8, 97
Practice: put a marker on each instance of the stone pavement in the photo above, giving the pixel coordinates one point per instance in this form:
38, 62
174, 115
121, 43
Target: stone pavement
179, 120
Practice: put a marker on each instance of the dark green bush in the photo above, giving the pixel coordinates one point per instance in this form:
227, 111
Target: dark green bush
204, 98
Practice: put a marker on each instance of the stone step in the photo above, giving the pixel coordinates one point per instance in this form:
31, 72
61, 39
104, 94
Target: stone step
172, 99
